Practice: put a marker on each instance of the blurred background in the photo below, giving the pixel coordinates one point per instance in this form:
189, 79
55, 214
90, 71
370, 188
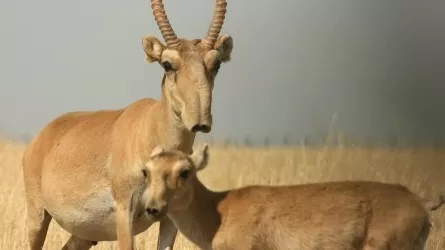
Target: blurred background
369, 72
365, 77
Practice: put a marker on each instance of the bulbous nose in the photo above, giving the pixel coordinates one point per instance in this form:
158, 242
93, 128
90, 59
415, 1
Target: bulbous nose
152, 211
204, 128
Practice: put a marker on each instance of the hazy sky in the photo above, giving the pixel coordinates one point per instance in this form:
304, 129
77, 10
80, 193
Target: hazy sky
379, 65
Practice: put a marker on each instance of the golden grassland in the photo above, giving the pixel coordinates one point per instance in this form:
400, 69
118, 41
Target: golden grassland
423, 170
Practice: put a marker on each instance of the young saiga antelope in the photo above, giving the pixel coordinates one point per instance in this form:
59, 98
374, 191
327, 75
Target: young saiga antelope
334, 215
79, 170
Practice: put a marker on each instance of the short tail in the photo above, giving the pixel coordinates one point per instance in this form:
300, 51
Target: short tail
432, 205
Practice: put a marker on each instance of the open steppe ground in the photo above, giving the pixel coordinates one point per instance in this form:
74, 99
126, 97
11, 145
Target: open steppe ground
421, 169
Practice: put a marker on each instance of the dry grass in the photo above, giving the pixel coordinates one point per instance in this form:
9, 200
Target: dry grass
423, 170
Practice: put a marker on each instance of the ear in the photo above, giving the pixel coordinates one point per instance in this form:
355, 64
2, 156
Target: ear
153, 48
224, 46
157, 150
200, 157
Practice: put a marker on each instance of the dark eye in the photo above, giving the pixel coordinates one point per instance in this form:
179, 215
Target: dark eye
144, 172
184, 174
167, 66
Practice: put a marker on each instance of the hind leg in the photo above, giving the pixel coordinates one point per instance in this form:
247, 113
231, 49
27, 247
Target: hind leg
75, 243
38, 222
420, 242
38, 218
413, 239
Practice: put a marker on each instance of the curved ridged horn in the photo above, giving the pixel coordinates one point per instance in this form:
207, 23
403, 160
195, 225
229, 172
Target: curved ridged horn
164, 25
217, 22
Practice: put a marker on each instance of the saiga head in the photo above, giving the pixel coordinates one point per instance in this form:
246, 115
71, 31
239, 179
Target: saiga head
190, 66
169, 178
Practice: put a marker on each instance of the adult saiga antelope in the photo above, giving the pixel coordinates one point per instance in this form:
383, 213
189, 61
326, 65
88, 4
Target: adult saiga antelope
80, 169
348, 215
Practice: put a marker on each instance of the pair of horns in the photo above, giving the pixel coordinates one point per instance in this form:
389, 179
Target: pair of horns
169, 35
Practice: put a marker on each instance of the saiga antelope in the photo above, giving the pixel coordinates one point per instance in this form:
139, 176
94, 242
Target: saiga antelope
348, 215
80, 169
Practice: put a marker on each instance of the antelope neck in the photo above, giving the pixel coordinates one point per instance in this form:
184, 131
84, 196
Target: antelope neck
200, 221
168, 127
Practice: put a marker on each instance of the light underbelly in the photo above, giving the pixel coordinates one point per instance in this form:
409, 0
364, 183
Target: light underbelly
93, 218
